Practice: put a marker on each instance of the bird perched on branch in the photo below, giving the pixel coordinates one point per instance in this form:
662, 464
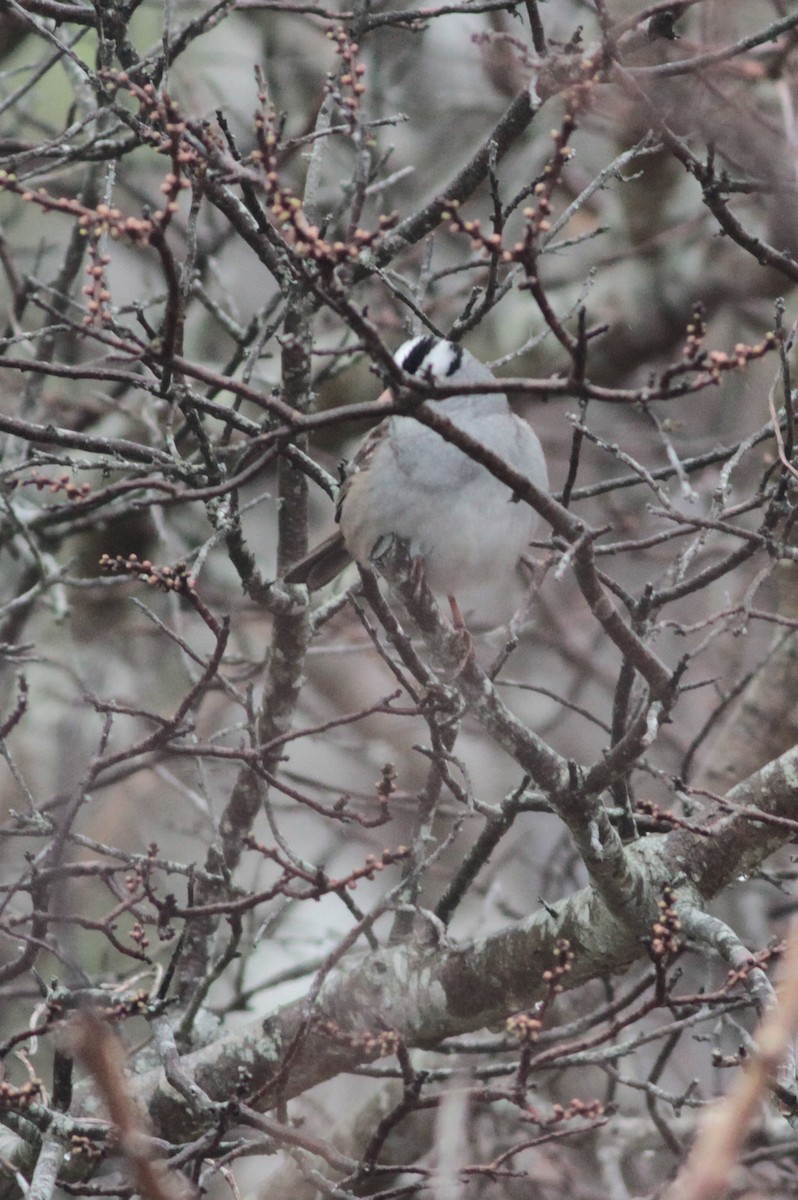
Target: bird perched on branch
406, 480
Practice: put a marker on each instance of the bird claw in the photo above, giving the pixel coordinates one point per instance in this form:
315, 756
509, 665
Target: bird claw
418, 577
462, 633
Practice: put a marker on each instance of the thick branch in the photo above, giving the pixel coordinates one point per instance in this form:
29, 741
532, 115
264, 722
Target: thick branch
429, 994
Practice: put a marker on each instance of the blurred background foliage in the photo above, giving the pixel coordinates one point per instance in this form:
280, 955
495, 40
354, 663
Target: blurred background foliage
641, 253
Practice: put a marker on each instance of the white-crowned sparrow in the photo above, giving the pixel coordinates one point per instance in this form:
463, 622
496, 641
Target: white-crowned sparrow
405, 479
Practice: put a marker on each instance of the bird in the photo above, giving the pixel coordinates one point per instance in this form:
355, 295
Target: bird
406, 481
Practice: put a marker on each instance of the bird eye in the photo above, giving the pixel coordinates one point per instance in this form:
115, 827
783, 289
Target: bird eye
455, 361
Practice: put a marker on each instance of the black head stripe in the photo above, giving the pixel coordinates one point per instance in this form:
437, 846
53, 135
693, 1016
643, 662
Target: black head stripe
457, 358
417, 355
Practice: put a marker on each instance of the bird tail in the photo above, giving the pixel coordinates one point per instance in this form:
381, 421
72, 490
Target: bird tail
321, 566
